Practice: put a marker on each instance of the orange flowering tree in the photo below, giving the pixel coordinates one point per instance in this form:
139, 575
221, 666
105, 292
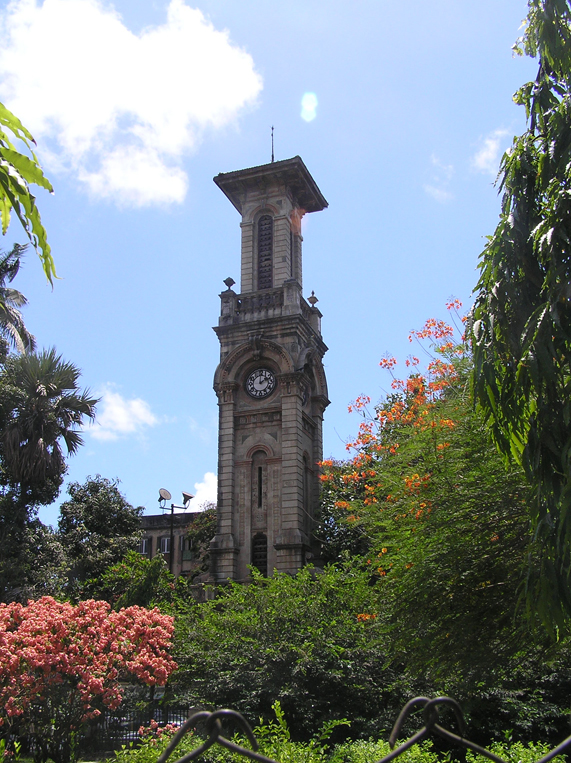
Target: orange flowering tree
60, 665
440, 522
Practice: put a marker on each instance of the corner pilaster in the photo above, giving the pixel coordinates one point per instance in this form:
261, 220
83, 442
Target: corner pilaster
223, 547
291, 542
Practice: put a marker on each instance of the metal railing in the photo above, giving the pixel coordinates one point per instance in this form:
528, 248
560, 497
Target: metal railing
113, 730
212, 722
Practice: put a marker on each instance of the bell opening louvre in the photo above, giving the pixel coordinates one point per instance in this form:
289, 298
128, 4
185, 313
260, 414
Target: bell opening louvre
260, 553
265, 252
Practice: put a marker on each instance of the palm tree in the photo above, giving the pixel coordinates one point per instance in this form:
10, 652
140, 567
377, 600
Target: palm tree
12, 326
49, 410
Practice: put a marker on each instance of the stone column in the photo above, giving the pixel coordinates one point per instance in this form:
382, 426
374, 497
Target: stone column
297, 270
228, 306
291, 543
223, 547
248, 264
292, 297
319, 403
282, 263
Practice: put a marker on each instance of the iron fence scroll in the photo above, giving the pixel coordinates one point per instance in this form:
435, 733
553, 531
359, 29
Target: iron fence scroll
212, 722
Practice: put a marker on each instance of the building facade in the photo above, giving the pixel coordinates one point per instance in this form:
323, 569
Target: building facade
157, 540
270, 381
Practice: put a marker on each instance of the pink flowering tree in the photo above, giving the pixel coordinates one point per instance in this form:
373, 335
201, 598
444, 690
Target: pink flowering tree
59, 664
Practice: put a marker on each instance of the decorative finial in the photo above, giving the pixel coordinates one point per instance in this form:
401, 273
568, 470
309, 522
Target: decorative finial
229, 283
272, 143
313, 299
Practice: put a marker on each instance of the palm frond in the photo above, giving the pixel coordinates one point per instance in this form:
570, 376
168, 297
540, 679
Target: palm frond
49, 414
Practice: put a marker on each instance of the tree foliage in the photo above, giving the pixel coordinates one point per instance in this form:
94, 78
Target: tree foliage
12, 326
97, 527
199, 535
41, 411
445, 528
308, 641
17, 173
134, 581
446, 522
522, 313
49, 409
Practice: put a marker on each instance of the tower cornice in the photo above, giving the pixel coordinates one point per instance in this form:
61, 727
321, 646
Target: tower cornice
291, 172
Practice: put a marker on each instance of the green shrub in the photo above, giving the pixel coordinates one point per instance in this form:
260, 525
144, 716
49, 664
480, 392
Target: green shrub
369, 751
275, 742
515, 752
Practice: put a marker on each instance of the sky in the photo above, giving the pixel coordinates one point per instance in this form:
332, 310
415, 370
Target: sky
400, 111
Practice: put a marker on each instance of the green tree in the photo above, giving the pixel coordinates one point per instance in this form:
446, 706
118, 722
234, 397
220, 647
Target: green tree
309, 641
12, 325
32, 563
40, 406
134, 581
522, 312
200, 533
45, 562
340, 539
17, 172
49, 409
97, 527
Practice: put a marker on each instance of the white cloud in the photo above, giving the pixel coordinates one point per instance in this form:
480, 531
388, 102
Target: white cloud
140, 174
121, 110
487, 159
441, 177
205, 492
443, 171
204, 433
438, 194
118, 417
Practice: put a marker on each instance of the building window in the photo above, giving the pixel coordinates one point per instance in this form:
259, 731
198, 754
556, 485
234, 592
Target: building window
165, 545
265, 251
144, 546
259, 486
185, 546
260, 553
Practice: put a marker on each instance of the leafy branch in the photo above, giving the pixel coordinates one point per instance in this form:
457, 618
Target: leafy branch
17, 173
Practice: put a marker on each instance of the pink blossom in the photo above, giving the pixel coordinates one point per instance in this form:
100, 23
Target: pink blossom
86, 650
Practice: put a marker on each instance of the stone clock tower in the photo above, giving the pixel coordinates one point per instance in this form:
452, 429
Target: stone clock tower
270, 381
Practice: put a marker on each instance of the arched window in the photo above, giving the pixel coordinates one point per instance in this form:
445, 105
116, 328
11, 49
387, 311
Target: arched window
260, 553
265, 251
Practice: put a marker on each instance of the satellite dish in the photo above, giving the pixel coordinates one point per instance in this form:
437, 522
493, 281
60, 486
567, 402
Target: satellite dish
164, 495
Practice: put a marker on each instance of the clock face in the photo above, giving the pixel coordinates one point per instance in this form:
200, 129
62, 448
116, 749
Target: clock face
260, 383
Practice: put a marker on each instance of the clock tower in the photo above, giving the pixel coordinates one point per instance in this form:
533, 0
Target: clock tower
270, 382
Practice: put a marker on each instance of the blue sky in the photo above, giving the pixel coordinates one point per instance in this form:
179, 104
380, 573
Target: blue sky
136, 106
